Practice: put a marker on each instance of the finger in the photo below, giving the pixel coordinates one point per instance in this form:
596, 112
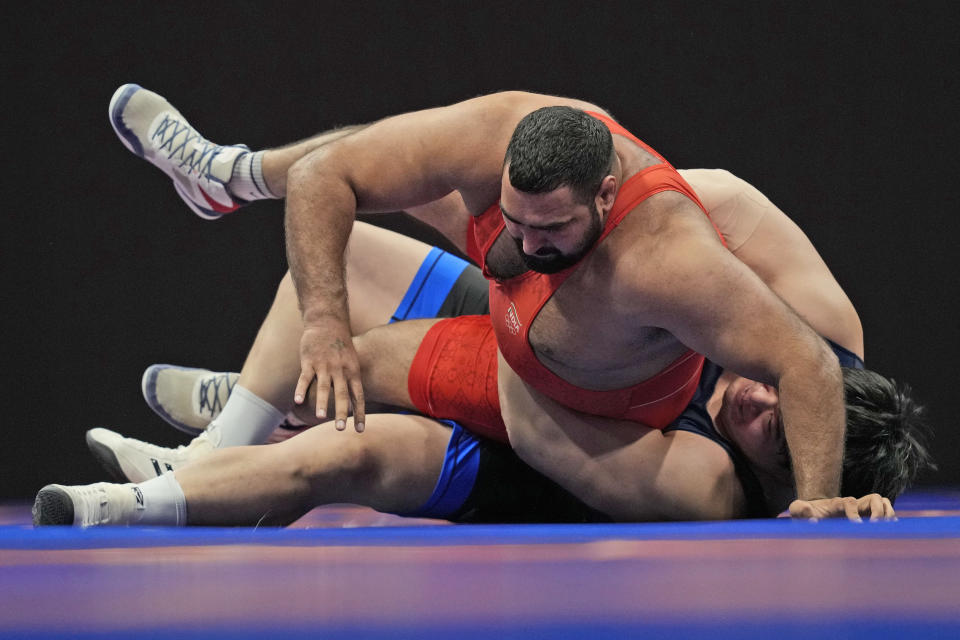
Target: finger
876, 507
359, 411
851, 509
341, 400
323, 393
888, 512
303, 384
801, 509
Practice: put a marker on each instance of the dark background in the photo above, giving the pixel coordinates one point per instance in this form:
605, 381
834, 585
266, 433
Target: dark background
845, 116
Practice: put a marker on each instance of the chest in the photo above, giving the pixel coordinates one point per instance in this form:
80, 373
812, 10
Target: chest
581, 326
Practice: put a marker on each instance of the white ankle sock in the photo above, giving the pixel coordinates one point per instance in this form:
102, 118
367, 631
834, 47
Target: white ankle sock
245, 419
160, 501
247, 181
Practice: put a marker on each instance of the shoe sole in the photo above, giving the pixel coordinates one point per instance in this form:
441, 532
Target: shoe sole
52, 507
148, 385
107, 459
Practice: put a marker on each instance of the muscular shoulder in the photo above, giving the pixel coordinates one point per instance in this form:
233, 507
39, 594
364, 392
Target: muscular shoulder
666, 238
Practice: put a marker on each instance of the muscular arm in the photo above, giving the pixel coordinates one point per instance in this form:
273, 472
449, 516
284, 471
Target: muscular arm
765, 239
714, 304
397, 163
673, 476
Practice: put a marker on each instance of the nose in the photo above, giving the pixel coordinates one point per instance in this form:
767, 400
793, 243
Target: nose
763, 397
533, 241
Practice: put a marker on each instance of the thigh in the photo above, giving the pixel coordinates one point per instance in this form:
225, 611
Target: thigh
380, 266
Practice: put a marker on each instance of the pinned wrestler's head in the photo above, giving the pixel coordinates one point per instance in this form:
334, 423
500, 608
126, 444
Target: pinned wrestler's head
885, 443
557, 187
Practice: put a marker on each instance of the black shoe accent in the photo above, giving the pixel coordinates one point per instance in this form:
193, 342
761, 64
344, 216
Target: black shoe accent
107, 459
52, 506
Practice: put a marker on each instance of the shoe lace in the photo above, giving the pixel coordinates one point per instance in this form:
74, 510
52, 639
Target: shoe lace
194, 151
96, 505
210, 399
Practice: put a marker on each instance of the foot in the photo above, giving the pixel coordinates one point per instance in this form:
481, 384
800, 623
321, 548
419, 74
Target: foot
185, 397
190, 398
86, 506
153, 129
130, 460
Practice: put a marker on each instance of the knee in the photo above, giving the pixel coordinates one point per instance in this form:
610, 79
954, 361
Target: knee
351, 460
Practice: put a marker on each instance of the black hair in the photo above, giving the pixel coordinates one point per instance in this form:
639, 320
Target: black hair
886, 436
560, 146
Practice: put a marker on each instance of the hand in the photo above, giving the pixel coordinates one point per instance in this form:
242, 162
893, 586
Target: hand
873, 505
327, 355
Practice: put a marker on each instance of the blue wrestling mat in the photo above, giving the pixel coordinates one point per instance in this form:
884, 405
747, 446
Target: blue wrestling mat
346, 572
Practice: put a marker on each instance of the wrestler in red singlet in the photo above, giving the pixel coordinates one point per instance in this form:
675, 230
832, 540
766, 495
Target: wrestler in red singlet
514, 304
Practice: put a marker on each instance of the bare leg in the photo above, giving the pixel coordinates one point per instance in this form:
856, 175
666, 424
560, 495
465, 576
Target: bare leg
392, 466
277, 161
380, 266
386, 354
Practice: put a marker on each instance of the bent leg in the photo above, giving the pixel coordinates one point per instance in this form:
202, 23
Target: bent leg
392, 466
386, 356
381, 265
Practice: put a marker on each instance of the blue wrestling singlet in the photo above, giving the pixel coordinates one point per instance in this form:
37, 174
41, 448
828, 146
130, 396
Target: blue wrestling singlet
433, 284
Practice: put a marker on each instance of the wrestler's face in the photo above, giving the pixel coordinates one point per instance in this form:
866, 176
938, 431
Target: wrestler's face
749, 417
553, 230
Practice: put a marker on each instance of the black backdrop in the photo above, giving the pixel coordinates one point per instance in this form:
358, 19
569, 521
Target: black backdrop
846, 116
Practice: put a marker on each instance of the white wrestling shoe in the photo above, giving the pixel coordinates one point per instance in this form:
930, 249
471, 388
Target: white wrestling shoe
190, 398
88, 505
130, 460
153, 129
186, 397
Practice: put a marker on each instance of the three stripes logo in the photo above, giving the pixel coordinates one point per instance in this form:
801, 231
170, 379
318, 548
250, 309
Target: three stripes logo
139, 496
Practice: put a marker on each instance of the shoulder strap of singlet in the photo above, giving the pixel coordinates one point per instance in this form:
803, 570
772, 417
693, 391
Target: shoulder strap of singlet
640, 186
617, 128
654, 179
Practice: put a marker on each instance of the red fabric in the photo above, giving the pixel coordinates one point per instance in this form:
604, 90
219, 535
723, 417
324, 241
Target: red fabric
515, 303
454, 375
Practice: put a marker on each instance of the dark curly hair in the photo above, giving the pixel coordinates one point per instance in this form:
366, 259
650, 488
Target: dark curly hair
559, 146
886, 436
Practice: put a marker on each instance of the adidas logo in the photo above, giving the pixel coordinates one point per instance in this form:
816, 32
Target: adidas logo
139, 496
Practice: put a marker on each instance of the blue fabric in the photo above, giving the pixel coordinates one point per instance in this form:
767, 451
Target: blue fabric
459, 473
847, 358
26, 537
430, 287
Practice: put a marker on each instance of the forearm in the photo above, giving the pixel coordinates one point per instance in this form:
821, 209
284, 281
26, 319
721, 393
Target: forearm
812, 406
321, 207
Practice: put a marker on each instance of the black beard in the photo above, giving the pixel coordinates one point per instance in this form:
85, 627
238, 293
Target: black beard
552, 261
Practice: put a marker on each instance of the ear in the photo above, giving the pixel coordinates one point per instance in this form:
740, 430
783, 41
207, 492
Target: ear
606, 195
